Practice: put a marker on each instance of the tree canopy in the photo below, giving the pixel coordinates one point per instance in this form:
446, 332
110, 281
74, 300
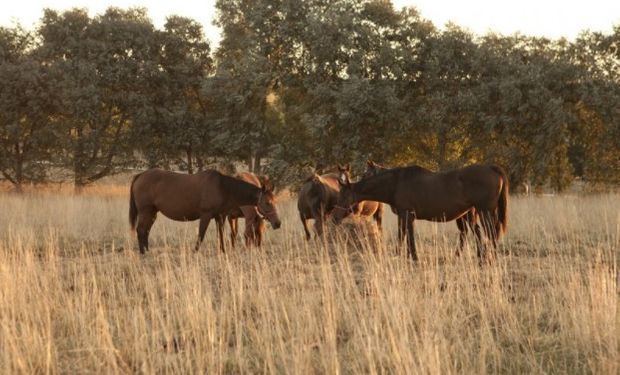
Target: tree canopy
294, 84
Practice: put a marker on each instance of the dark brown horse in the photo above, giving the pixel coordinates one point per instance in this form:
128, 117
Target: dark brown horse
319, 195
463, 223
417, 193
316, 199
206, 195
254, 221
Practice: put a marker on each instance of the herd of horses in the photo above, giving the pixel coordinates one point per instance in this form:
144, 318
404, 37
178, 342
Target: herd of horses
475, 196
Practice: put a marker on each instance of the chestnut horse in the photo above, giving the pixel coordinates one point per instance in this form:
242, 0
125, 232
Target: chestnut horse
462, 223
205, 195
417, 193
319, 195
254, 221
363, 208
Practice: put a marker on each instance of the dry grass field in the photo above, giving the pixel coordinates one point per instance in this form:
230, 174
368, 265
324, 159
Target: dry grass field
76, 297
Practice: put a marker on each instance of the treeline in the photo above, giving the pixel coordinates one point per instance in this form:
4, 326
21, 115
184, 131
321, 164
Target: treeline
300, 83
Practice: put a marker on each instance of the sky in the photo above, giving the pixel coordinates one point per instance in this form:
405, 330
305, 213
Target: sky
550, 18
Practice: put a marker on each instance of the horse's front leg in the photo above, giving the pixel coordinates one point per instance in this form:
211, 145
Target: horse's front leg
205, 219
461, 224
410, 237
402, 226
378, 215
233, 223
219, 221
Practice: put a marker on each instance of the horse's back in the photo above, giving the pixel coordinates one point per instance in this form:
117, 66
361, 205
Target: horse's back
481, 181
310, 193
177, 195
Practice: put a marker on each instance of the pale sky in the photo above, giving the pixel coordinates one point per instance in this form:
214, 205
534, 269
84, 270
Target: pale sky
551, 18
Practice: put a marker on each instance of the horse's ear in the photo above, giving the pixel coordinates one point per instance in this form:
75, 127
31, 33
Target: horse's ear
266, 183
347, 167
370, 163
319, 168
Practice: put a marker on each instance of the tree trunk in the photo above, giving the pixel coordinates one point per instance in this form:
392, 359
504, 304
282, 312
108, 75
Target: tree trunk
200, 164
190, 162
250, 164
78, 184
257, 166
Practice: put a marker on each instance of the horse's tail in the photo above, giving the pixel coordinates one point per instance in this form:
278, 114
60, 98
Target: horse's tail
133, 209
502, 207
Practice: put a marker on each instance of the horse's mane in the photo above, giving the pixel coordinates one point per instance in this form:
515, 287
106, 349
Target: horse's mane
237, 187
411, 169
382, 184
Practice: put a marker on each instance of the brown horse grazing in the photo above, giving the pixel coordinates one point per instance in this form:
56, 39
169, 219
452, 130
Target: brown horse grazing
462, 223
254, 221
417, 193
206, 195
363, 208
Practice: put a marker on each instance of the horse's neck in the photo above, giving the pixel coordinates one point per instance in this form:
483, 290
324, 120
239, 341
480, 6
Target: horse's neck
379, 188
241, 192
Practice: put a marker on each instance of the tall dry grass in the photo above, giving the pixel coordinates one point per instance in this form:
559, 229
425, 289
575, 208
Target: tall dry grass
75, 297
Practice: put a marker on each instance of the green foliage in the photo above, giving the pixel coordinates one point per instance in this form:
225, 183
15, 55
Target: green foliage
28, 140
103, 65
296, 84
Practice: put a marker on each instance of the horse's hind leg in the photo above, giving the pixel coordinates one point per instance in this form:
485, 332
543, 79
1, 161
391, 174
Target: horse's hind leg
205, 218
479, 241
304, 222
319, 219
488, 219
461, 223
464, 223
146, 218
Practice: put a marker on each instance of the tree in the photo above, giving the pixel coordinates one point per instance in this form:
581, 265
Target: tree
252, 62
28, 138
178, 120
103, 62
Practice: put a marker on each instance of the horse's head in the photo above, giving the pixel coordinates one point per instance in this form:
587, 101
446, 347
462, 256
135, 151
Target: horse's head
344, 172
267, 203
346, 199
372, 169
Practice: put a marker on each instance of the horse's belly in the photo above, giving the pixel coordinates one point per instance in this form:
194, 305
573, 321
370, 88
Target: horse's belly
177, 216
368, 208
445, 214
180, 210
